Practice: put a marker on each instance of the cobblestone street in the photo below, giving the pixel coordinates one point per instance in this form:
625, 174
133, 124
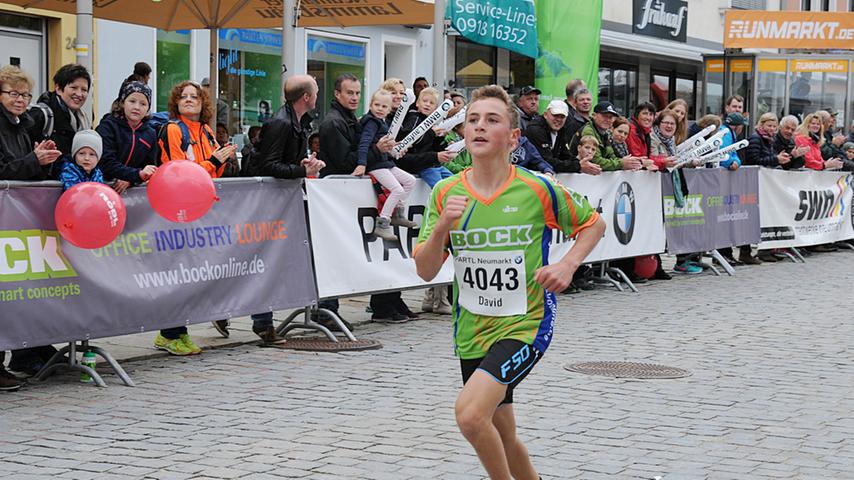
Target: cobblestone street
771, 395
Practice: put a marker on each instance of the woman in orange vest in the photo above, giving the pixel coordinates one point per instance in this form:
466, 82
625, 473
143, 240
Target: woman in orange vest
188, 137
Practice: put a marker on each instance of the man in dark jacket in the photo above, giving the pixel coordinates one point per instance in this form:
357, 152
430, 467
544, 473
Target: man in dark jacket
71, 85
339, 142
282, 154
784, 141
547, 134
577, 118
340, 130
283, 141
528, 104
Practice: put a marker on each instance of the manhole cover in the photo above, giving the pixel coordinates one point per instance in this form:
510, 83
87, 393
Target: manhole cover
627, 370
324, 345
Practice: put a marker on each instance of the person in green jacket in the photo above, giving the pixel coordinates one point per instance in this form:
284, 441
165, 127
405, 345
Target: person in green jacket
599, 127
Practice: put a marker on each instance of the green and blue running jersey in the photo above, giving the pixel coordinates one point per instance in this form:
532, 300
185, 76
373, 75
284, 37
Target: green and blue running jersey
497, 245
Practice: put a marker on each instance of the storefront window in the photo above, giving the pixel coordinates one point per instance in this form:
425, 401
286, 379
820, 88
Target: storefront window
714, 90
521, 70
250, 64
173, 63
685, 90
741, 74
817, 85
618, 86
771, 87
475, 65
659, 91
329, 58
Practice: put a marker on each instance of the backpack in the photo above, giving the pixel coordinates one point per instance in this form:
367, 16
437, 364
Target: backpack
160, 121
47, 113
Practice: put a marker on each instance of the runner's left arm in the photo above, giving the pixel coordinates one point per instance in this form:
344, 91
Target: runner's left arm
576, 218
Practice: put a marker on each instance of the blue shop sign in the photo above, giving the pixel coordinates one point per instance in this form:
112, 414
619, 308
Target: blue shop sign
329, 50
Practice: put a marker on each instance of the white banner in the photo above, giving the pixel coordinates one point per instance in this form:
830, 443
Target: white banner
348, 258
630, 205
804, 208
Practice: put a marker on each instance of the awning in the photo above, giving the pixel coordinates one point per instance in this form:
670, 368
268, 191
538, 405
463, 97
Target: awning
194, 14
653, 47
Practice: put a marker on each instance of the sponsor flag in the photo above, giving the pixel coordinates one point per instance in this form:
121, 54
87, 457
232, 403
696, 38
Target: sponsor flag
567, 53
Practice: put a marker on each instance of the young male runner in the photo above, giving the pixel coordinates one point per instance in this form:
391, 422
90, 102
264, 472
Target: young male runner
497, 220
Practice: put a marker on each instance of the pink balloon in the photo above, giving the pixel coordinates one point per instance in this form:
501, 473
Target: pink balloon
90, 215
181, 191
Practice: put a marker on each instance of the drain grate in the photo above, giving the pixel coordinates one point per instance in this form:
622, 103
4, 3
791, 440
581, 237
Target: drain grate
627, 370
324, 345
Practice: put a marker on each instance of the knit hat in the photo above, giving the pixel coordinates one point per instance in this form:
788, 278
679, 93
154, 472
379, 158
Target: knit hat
135, 87
87, 138
848, 146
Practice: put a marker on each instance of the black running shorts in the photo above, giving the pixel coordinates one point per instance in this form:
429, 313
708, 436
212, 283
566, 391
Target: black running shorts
507, 361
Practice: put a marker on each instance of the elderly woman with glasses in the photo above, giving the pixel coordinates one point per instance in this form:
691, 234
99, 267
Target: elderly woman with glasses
18, 159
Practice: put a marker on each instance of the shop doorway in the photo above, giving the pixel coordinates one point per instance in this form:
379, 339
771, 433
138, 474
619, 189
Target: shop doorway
22, 44
399, 60
664, 87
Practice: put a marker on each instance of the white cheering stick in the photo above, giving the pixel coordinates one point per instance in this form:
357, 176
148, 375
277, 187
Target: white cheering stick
452, 122
712, 144
422, 128
719, 155
397, 121
456, 147
695, 141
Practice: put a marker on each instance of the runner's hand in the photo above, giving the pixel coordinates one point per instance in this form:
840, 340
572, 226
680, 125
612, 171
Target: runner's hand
454, 208
556, 277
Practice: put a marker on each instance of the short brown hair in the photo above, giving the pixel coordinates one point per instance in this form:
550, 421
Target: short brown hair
709, 119
588, 139
175, 97
495, 91
13, 76
619, 121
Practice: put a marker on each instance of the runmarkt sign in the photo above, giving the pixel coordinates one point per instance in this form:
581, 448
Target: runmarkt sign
807, 30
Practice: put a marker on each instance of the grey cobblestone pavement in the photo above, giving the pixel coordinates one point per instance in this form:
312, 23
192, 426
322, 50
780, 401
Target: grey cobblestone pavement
771, 396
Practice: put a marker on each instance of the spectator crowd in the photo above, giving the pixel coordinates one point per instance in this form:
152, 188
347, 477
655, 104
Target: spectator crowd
52, 138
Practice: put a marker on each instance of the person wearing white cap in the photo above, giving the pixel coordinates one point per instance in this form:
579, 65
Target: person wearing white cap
86, 149
547, 134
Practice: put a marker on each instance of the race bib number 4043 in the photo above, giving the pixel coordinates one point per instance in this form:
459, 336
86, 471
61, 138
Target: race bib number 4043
492, 283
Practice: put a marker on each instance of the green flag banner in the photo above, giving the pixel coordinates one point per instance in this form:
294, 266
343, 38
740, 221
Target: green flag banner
510, 24
569, 46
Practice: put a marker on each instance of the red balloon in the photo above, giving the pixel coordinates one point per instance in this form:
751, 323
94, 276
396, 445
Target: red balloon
181, 191
90, 215
646, 266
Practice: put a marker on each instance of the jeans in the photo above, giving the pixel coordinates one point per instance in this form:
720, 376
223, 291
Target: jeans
260, 321
173, 333
432, 175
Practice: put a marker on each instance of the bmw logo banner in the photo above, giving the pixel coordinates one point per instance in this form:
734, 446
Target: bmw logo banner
630, 204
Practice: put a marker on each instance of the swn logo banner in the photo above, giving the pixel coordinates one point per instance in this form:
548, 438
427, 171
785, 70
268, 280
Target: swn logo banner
821, 204
32, 255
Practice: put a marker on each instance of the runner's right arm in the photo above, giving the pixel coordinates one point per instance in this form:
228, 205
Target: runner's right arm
431, 251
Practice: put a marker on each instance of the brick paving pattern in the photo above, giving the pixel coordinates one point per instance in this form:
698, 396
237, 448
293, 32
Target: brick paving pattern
771, 396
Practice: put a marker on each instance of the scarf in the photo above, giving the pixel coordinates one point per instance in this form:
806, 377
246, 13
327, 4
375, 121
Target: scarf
621, 149
669, 143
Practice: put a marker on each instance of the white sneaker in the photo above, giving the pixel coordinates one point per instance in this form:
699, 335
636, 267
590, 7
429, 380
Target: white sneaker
428, 301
